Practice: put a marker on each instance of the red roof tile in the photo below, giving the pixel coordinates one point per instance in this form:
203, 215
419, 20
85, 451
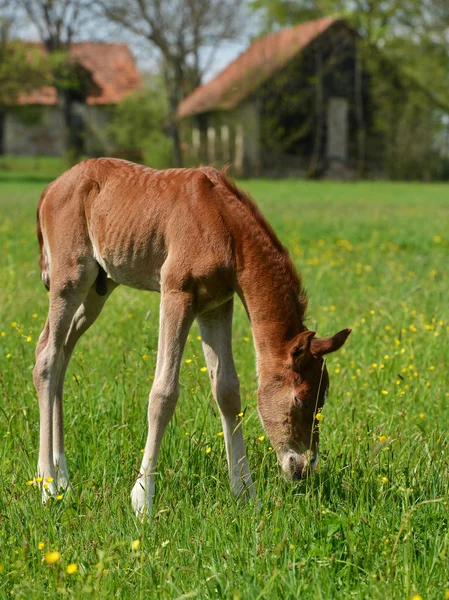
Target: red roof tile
113, 71
264, 57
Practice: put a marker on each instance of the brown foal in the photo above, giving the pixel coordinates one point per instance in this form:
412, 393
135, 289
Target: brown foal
191, 235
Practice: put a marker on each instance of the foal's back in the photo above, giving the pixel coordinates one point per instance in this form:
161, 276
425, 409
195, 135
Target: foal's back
140, 225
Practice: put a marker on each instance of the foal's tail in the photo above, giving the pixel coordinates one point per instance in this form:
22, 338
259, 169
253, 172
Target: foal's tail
43, 258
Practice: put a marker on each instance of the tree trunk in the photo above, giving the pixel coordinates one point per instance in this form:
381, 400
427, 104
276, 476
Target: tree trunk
73, 137
316, 159
361, 128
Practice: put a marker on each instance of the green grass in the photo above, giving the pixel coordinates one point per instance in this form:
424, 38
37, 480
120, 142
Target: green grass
371, 523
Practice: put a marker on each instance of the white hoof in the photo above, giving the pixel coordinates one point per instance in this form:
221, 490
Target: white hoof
142, 497
62, 474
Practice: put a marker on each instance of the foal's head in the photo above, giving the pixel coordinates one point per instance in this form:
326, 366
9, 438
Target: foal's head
290, 401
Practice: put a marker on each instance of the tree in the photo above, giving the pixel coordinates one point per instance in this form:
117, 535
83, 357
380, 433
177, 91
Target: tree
186, 34
58, 23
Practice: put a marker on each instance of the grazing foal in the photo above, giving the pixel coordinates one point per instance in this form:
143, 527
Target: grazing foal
194, 237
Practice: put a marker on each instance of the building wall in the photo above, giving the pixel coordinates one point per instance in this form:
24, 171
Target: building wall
34, 131
39, 130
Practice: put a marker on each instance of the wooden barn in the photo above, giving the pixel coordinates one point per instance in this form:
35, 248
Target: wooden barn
297, 102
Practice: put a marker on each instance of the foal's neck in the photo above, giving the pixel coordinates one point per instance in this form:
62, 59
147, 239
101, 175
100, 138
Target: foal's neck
272, 293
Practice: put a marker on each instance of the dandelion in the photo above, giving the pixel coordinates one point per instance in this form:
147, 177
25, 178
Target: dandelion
384, 392
319, 416
3, 334
188, 361
30, 482
446, 594
52, 557
8, 355
372, 312
337, 371
240, 414
49, 479
422, 416
13, 324
38, 479
374, 365
60, 497
186, 433
29, 338
384, 479
416, 597
431, 368
437, 239
220, 434
40, 546
292, 546
382, 439
198, 337
34, 315
20, 331
135, 544
246, 339
203, 369
145, 357
208, 450
261, 438
71, 569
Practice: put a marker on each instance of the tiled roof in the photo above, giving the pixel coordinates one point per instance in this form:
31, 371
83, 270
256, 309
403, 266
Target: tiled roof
264, 57
113, 72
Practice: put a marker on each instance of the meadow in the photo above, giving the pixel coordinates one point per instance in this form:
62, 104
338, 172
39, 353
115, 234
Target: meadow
372, 522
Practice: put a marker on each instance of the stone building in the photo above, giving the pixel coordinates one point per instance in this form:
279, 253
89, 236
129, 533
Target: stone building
296, 102
35, 126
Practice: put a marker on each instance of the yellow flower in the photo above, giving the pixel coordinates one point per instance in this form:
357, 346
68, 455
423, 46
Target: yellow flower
71, 569
188, 361
20, 331
240, 414
372, 312
319, 416
246, 339
292, 547
34, 315
374, 365
13, 324
3, 334
145, 357
40, 546
30, 482
431, 368
261, 438
384, 392
220, 434
52, 557
382, 438
416, 597
437, 239
8, 355
203, 369
135, 544
446, 594
384, 479
49, 479
38, 479
60, 497
29, 338
198, 337
422, 416
208, 450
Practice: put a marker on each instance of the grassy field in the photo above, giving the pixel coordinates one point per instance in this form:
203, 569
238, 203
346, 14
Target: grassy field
371, 523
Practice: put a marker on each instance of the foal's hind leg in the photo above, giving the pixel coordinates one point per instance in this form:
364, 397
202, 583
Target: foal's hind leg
216, 334
84, 317
66, 295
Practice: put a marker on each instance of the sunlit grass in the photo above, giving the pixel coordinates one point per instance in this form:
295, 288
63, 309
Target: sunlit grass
371, 523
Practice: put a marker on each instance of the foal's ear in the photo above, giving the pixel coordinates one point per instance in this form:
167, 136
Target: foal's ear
325, 345
300, 346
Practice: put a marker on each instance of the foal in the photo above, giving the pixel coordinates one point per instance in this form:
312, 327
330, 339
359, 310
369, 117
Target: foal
191, 235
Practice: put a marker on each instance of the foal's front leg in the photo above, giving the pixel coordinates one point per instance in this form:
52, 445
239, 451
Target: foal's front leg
176, 318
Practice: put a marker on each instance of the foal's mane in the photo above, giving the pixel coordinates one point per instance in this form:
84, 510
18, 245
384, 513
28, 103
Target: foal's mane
221, 177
